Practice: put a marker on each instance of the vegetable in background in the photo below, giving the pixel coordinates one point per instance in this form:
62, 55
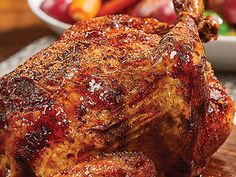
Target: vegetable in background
57, 9
115, 6
70, 11
84, 9
227, 8
162, 10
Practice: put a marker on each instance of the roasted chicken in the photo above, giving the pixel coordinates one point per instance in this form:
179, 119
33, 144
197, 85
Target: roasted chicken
112, 93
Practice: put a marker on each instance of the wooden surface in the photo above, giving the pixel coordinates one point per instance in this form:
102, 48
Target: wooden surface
223, 162
19, 27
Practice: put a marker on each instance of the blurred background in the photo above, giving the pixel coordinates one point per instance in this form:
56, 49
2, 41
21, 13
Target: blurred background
19, 27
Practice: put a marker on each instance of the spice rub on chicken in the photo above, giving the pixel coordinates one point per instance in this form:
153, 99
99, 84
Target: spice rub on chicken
112, 93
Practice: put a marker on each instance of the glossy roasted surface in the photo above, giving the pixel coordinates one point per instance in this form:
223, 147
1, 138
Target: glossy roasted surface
119, 164
110, 84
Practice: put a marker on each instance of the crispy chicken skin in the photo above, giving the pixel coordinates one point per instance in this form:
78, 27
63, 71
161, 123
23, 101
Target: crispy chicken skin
126, 164
112, 93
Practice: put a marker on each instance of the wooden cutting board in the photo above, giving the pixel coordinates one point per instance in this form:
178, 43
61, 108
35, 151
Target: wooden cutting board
223, 162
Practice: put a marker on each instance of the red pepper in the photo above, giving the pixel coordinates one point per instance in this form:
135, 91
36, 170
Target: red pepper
115, 6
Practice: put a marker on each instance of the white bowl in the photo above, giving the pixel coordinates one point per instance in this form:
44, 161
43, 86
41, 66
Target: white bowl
56, 25
222, 53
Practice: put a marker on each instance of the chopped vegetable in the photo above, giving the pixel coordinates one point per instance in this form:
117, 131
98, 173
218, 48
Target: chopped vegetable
115, 6
162, 10
70, 11
84, 9
227, 8
57, 9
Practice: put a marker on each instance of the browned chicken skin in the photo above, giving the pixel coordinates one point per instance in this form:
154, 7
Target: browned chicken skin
115, 165
111, 88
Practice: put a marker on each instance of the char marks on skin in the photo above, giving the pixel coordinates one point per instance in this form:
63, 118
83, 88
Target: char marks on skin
63, 88
33, 115
107, 83
219, 109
